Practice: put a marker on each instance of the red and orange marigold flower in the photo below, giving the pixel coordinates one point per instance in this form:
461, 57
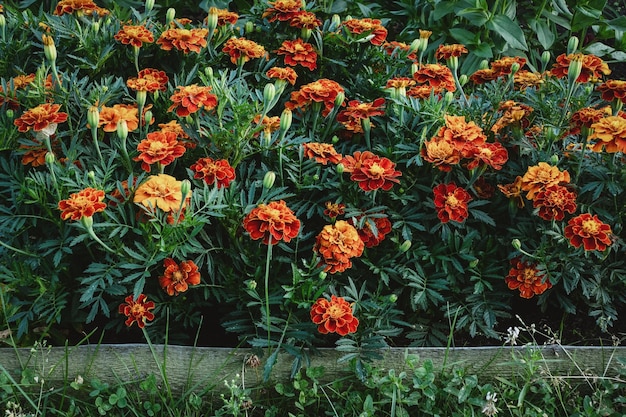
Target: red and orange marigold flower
613, 90
593, 68
78, 6
334, 316
286, 74
589, 232
609, 133
371, 27
373, 230
445, 52
40, 117
492, 154
323, 153
84, 203
160, 147
161, 192
554, 201
150, 80
337, 244
437, 77
243, 50
298, 52
213, 171
371, 171
527, 278
333, 210
282, 10
451, 202
134, 35
110, 116
185, 40
323, 91
177, 278
304, 20
191, 98
137, 310
272, 223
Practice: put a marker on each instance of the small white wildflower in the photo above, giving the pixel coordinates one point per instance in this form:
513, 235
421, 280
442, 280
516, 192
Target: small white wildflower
490, 409
512, 335
79, 380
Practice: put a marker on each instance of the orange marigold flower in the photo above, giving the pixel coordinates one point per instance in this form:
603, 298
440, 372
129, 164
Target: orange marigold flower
513, 113
304, 20
71, 6
191, 98
218, 171
445, 52
269, 124
554, 201
143, 84
492, 154
438, 77
333, 210
40, 118
524, 79
135, 35
298, 52
371, 171
156, 76
483, 76
503, 65
323, 153
34, 155
451, 202
465, 136
371, 27
137, 311
392, 48
423, 92
613, 90
609, 133
186, 40
373, 229
110, 116
334, 316
84, 203
177, 278
358, 110
541, 176
322, 91
586, 117
159, 148
174, 126
160, 191
337, 244
286, 74
527, 278
10, 96
513, 191
226, 17
442, 153
400, 82
589, 232
593, 68
282, 10
272, 222
242, 50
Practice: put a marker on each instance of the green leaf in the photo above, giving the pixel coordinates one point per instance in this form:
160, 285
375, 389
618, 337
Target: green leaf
475, 16
463, 36
509, 30
618, 24
544, 33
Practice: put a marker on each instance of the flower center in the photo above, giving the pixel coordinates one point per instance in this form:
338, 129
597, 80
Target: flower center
590, 226
529, 275
376, 170
178, 276
452, 201
137, 310
335, 311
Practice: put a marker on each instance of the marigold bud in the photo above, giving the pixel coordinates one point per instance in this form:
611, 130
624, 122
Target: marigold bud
393, 298
463, 78
514, 68
322, 275
448, 97
516, 244
10, 114
335, 22
251, 285
49, 49
185, 188
95, 27
169, 16
142, 96
484, 64
3, 21
93, 116
268, 179
405, 246
285, 120
554, 159
339, 99
414, 47
474, 263
366, 124
50, 158
575, 68
572, 45
212, 19
545, 58
414, 68
122, 129
149, 5
340, 168
269, 92
249, 27
334, 139
148, 117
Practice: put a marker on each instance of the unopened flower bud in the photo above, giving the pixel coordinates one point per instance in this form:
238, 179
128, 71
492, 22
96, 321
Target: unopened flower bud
339, 99
3, 22
414, 68
149, 5
169, 16
305, 34
405, 246
185, 188
122, 129
334, 139
10, 114
322, 275
514, 68
249, 27
50, 158
208, 71
340, 168
516, 244
49, 49
335, 22
93, 116
453, 63
268, 179
448, 97
484, 64
212, 19
95, 27
269, 92
554, 159
572, 45
393, 298
92, 176
285, 120
142, 96
463, 79
575, 68
148, 117
474, 263
366, 124
414, 47
545, 58
251, 285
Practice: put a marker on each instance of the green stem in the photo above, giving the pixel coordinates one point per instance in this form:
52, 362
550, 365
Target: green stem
87, 223
267, 293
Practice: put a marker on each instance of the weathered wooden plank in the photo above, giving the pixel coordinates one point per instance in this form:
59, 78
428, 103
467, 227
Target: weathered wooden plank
188, 367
